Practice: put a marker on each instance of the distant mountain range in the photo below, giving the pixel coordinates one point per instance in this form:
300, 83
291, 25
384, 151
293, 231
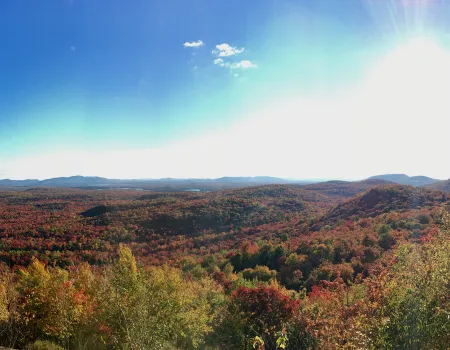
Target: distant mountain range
170, 184
261, 179
72, 181
167, 184
405, 179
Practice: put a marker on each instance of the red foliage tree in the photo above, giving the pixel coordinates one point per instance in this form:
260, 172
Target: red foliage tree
264, 311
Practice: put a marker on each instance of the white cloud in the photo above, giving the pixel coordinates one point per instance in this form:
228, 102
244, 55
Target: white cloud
219, 62
245, 64
225, 50
194, 44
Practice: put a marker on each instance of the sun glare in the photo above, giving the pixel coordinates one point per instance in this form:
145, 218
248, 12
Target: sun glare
418, 71
409, 88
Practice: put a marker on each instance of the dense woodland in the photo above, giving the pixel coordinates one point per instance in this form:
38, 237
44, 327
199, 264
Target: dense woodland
334, 265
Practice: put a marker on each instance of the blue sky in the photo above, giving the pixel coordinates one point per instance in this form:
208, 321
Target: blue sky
93, 87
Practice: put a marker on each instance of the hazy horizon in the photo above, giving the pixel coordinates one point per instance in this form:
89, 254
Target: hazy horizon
293, 179
309, 89
184, 178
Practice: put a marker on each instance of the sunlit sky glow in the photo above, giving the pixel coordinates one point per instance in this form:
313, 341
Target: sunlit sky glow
180, 88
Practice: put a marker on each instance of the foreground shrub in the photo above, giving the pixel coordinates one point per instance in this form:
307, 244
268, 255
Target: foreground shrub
262, 317
43, 345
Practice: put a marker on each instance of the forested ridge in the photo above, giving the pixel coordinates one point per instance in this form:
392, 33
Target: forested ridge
335, 265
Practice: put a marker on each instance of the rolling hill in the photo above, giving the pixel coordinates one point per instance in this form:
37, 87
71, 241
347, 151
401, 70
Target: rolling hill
439, 186
384, 199
344, 189
404, 179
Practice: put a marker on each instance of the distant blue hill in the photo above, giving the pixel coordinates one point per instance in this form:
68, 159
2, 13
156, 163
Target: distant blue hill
182, 184
263, 179
167, 183
404, 179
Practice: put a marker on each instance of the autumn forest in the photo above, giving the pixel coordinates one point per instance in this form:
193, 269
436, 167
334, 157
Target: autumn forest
332, 265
